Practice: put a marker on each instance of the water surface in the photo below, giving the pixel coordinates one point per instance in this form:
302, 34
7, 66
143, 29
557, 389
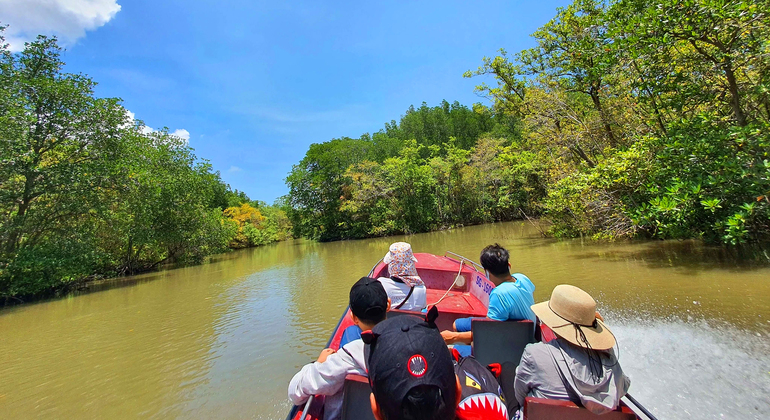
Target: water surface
222, 340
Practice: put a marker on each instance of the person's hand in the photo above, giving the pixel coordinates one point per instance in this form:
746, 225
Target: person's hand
324, 354
449, 336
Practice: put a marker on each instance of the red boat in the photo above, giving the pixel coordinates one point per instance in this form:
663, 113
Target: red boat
459, 287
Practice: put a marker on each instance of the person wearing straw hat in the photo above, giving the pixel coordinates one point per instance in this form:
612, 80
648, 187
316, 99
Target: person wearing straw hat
580, 364
405, 288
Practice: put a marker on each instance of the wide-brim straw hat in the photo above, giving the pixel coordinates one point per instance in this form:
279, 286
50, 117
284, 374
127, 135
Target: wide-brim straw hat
571, 311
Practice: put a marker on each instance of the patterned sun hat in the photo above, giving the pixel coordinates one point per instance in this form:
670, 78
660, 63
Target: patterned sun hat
400, 261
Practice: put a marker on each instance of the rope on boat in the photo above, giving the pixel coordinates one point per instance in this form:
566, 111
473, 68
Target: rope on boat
453, 284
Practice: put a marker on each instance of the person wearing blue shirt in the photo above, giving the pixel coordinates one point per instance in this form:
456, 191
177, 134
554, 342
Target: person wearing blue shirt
511, 298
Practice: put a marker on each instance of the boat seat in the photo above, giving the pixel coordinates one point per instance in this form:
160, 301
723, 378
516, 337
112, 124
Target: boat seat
545, 409
501, 341
355, 400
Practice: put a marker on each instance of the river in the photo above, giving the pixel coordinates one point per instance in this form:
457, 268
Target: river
221, 340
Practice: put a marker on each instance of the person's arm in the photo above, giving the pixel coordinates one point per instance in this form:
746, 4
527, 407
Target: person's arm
326, 378
325, 353
452, 337
525, 372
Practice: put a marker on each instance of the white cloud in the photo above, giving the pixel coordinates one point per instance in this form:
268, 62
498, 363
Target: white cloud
179, 132
67, 19
234, 169
182, 133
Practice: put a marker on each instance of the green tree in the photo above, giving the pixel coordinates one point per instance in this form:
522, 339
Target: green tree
84, 191
315, 187
58, 142
699, 55
163, 209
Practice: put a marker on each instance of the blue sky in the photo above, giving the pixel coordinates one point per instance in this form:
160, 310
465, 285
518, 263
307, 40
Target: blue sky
255, 83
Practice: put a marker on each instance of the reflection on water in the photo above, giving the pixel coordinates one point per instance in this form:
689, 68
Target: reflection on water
223, 339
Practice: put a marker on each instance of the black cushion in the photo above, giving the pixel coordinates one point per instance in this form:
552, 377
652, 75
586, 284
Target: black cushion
501, 342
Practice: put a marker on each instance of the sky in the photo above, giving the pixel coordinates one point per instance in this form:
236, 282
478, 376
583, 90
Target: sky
251, 84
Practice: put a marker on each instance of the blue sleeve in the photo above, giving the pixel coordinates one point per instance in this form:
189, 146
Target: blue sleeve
496, 310
463, 324
351, 333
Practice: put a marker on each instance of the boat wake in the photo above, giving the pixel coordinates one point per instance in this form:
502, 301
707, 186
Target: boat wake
695, 369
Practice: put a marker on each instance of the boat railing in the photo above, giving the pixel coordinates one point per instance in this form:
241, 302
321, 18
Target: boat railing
476, 265
375, 266
640, 407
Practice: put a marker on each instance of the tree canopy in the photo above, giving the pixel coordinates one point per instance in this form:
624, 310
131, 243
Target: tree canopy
87, 191
627, 118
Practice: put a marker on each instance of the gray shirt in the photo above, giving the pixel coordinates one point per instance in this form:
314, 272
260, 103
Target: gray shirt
546, 369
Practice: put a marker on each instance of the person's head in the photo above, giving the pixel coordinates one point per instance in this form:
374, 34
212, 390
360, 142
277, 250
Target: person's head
494, 259
400, 260
411, 371
571, 315
368, 302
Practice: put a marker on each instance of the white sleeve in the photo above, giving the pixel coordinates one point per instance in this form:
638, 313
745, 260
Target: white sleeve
325, 378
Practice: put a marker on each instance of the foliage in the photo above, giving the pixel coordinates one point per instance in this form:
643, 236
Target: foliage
87, 192
258, 225
626, 118
438, 167
652, 117
712, 182
249, 221
315, 187
696, 56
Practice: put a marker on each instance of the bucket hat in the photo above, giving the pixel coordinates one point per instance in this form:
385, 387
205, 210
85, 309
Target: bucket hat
571, 314
400, 261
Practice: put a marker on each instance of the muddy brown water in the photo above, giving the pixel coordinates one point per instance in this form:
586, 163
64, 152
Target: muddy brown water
222, 340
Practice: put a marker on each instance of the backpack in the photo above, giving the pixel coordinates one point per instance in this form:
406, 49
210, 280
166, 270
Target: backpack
482, 396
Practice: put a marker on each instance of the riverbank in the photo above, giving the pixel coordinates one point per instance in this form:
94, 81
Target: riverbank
97, 282
113, 196
587, 129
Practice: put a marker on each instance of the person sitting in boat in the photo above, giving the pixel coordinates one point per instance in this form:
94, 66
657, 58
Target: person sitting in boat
509, 300
579, 365
414, 376
404, 286
369, 304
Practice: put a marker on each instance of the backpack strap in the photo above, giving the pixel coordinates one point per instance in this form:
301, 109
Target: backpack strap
411, 290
